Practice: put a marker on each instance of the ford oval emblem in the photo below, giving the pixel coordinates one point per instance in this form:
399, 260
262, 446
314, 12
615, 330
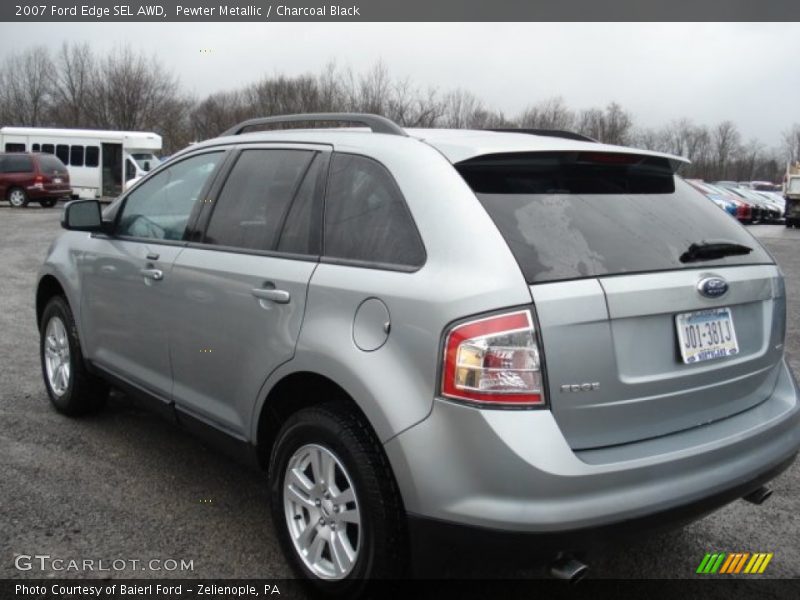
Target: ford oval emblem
712, 287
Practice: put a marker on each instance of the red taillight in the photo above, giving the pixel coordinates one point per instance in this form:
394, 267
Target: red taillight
38, 179
494, 361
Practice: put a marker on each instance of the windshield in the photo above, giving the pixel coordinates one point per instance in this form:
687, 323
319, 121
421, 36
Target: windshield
569, 216
145, 157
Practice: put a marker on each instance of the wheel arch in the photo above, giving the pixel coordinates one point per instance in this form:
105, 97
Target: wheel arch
48, 287
293, 392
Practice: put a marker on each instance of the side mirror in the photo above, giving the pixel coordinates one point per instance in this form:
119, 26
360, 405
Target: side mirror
82, 215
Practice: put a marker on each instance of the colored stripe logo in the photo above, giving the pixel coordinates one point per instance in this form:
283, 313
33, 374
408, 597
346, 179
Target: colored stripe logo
734, 563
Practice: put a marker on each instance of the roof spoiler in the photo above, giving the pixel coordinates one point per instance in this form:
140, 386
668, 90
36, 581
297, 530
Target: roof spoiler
559, 133
376, 123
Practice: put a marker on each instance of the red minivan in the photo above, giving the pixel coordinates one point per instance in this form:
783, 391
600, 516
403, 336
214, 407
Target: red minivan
42, 178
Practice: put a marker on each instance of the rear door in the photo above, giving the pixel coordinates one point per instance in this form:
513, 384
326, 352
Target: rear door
243, 285
636, 342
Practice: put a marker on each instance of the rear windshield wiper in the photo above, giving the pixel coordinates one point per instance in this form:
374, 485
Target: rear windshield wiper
711, 250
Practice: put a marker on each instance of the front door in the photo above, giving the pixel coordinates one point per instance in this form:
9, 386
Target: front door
128, 302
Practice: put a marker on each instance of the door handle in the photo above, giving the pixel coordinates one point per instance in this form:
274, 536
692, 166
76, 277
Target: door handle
277, 296
154, 274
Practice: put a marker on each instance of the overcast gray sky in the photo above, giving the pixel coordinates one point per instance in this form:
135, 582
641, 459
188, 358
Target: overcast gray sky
746, 72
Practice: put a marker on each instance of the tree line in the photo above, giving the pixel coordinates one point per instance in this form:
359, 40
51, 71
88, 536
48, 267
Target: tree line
75, 87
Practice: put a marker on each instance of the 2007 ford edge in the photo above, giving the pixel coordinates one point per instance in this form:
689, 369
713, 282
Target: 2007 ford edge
423, 334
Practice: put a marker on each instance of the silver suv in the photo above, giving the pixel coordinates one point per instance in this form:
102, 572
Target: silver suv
426, 335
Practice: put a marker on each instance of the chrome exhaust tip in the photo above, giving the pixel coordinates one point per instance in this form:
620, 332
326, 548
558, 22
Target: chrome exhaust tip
759, 496
568, 568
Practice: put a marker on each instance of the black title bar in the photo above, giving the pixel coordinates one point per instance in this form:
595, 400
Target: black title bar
399, 10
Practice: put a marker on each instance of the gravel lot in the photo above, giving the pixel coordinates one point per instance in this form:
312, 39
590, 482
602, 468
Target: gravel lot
125, 484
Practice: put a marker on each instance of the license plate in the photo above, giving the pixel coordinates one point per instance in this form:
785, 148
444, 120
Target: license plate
57, 180
706, 334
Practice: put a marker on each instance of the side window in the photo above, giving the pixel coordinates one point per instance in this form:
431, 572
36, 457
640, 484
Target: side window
15, 147
76, 156
92, 156
35, 148
19, 163
366, 218
62, 152
49, 149
159, 208
255, 200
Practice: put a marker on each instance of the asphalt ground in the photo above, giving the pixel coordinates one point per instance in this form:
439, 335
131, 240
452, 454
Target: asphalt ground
125, 484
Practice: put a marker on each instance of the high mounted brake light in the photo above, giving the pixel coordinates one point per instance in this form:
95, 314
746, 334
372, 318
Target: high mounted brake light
494, 361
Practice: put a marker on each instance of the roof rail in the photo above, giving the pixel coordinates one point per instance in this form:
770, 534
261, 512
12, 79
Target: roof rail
376, 123
560, 133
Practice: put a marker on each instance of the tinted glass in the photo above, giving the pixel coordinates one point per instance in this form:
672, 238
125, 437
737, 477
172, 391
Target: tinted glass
15, 147
130, 170
76, 156
49, 148
35, 148
159, 208
366, 217
62, 152
18, 164
300, 233
255, 200
571, 216
50, 165
92, 156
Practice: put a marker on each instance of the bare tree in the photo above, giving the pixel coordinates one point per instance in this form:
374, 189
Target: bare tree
791, 143
25, 80
459, 109
552, 113
725, 142
70, 85
130, 92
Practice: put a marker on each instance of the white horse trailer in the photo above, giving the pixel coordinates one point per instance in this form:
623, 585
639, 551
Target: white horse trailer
100, 163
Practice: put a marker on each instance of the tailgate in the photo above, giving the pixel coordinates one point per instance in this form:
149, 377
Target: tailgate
615, 369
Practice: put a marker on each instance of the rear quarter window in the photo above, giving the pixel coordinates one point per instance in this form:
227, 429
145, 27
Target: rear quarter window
366, 217
576, 215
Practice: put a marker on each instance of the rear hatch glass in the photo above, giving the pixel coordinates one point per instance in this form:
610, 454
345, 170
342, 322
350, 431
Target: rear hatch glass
634, 347
50, 165
574, 215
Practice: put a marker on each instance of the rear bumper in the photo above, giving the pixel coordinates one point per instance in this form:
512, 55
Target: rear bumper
35, 193
428, 536
513, 471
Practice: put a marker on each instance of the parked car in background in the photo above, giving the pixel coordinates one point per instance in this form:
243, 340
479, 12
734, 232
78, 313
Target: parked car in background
766, 186
434, 340
775, 199
762, 210
38, 177
722, 198
726, 203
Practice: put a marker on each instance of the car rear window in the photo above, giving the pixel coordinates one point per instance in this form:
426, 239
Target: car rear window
576, 215
50, 165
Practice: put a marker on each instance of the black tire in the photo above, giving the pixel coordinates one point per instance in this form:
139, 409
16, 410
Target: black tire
383, 546
48, 203
17, 197
85, 393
